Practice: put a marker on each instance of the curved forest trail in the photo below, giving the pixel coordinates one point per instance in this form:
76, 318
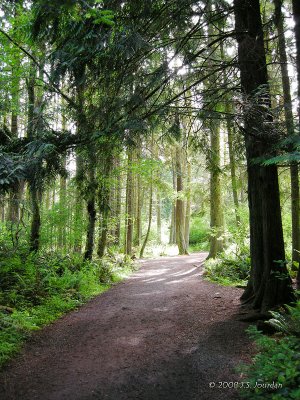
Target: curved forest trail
162, 334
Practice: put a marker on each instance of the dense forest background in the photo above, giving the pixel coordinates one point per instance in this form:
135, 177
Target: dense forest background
146, 128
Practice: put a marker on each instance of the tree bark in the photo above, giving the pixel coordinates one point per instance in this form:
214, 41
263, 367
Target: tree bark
180, 216
35, 198
138, 202
16, 193
289, 121
91, 211
149, 220
188, 207
158, 217
35, 195
118, 204
173, 214
104, 203
91, 205
78, 207
216, 206
129, 206
232, 168
269, 284
296, 13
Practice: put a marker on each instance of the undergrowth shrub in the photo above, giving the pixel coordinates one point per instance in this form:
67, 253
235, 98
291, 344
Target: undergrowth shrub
232, 266
228, 268
36, 289
287, 321
199, 233
275, 371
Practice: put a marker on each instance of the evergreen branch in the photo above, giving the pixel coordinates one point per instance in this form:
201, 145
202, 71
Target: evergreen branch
32, 58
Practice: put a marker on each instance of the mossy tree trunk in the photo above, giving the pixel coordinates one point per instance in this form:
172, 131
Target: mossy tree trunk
180, 215
129, 223
216, 204
269, 284
34, 184
188, 206
296, 13
230, 135
289, 121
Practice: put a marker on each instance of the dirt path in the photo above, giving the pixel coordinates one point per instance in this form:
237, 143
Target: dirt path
163, 334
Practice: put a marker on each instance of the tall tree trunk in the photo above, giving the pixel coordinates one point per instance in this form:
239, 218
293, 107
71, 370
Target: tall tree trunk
216, 203
269, 284
216, 206
104, 204
188, 207
138, 202
16, 193
296, 13
289, 120
78, 207
118, 204
180, 216
232, 168
103, 233
158, 217
81, 127
35, 198
158, 200
139, 207
89, 246
35, 195
91, 207
129, 205
149, 219
173, 214
63, 211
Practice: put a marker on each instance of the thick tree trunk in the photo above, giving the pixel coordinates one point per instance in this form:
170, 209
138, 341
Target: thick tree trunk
90, 234
35, 198
296, 13
269, 284
91, 205
289, 120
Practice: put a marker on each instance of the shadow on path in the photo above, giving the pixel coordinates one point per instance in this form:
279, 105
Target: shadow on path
164, 333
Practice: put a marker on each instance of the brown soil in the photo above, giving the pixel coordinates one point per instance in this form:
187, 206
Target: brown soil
163, 334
